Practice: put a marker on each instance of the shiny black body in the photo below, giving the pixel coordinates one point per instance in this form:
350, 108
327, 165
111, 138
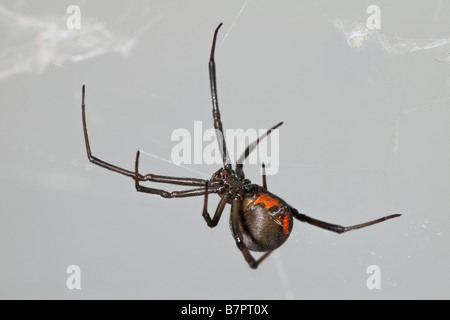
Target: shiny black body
259, 221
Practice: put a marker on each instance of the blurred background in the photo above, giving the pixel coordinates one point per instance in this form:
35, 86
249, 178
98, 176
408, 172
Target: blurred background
366, 134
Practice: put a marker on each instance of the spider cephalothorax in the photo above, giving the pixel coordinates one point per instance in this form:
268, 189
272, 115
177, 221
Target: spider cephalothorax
259, 220
226, 181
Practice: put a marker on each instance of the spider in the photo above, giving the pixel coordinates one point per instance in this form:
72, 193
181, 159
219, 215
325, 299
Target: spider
259, 221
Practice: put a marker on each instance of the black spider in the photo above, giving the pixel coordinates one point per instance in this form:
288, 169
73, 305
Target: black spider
260, 221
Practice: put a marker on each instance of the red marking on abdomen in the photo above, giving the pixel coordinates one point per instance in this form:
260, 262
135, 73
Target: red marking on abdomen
267, 200
287, 224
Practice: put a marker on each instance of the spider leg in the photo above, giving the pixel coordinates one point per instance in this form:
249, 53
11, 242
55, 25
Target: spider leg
96, 160
215, 220
218, 122
264, 176
337, 228
238, 237
215, 102
250, 148
170, 180
148, 177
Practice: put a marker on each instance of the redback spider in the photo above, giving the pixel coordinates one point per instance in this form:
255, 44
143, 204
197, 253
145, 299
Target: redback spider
259, 220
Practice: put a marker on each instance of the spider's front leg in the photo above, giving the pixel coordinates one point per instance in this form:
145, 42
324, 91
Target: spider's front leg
193, 182
168, 180
94, 159
215, 220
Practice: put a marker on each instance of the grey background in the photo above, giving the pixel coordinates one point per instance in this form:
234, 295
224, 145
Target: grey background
366, 134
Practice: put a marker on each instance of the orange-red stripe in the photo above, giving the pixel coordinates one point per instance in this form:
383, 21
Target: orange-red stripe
267, 200
287, 223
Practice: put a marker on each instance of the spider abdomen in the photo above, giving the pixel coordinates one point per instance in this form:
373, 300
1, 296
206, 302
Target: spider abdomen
264, 220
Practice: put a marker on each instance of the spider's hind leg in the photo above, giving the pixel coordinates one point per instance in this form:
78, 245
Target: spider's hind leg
337, 228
